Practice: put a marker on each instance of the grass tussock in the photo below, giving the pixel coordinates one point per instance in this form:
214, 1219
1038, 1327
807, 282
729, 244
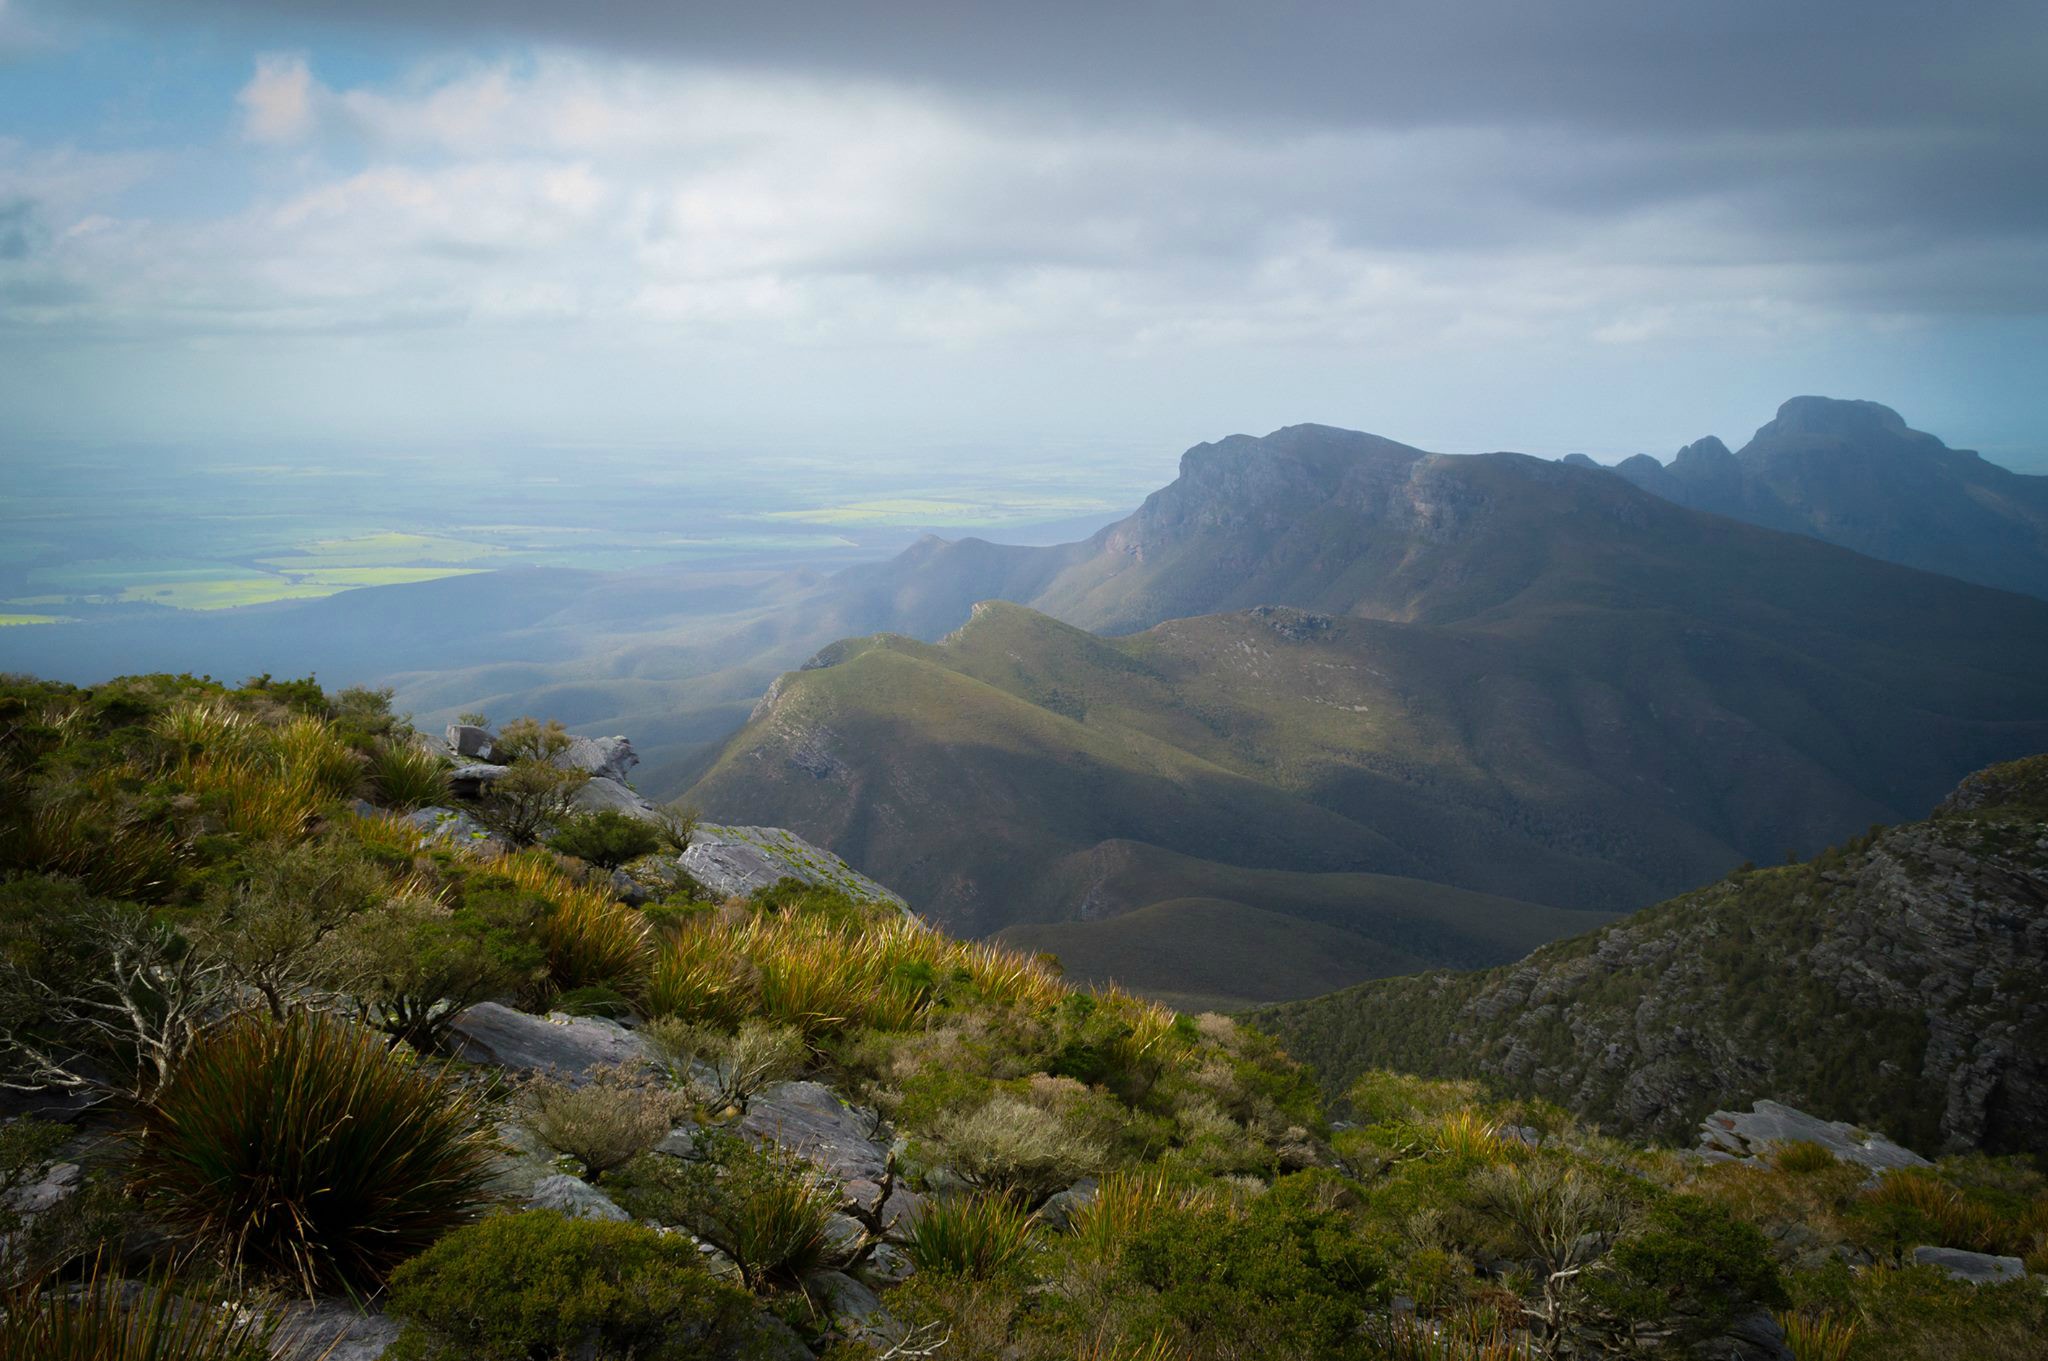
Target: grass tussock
307, 1151
108, 1319
976, 1236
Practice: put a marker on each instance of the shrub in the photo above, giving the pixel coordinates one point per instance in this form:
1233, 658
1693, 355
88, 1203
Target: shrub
605, 1123
405, 776
308, 1150
1692, 1262
104, 1320
742, 1063
278, 926
1287, 1276
418, 962
606, 838
974, 1236
516, 1287
763, 1206
534, 793
1008, 1144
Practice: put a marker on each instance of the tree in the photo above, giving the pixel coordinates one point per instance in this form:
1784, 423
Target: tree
418, 963
536, 791
276, 928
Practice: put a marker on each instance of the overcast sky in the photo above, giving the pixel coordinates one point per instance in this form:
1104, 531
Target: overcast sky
998, 228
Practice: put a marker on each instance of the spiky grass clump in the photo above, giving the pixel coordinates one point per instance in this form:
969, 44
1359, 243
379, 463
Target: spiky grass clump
1818, 1336
103, 1319
308, 1151
1913, 1204
592, 939
1801, 1156
978, 1236
1469, 1134
1407, 1338
1127, 1204
774, 1216
405, 776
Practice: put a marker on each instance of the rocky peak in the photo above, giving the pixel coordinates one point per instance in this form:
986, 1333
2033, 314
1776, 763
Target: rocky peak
1703, 454
1835, 417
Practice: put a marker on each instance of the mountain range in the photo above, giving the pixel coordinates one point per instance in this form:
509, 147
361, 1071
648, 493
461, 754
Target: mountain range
1854, 474
1322, 679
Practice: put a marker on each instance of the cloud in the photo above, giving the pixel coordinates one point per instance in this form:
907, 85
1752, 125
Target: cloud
277, 103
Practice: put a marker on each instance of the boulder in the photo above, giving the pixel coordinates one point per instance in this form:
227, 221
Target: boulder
601, 792
1978, 1268
736, 861
575, 1198
1751, 1134
606, 758
472, 780
1058, 1211
561, 1045
453, 827
808, 1119
470, 742
332, 1330
843, 1297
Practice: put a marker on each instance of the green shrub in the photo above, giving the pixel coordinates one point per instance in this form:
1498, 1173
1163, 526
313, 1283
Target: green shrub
417, 962
606, 838
975, 1236
307, 1150
102, 1320
1691, 1262
534, 794
537, 1285
405, 776
1287, 1276
771, 1213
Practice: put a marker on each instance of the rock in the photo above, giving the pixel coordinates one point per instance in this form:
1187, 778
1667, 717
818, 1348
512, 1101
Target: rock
607, 758
575, 1198
1059, 1210
1755, 1336
57, 1185
1752, 1134
846, 1235
898, 1210
332, 1330
808, 1119
1977, 1268
472, 780
453, 827
736, 861
565, 1046
601, 792
843, 1297
470, 742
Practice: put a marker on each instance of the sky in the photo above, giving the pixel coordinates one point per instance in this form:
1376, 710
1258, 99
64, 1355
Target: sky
971, 233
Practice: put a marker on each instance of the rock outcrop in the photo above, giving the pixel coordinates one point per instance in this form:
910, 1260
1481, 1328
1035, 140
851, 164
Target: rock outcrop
736, 861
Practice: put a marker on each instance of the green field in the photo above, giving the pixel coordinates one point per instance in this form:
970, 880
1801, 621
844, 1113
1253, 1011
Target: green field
7, 620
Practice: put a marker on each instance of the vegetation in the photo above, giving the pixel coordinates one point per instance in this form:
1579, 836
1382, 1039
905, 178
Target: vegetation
535, 792
606, 838
518, 1286
307, 1150
1773, 978
261, 981
101, 1320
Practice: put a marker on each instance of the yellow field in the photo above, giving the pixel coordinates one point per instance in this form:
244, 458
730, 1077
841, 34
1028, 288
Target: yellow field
7, 620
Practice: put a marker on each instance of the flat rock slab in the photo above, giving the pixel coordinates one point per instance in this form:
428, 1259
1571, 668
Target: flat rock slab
737, 861
1978, 1268
562, 1045
602, 794
333, 1330
453, 827
575, 1198
1749, 1134
809, 1120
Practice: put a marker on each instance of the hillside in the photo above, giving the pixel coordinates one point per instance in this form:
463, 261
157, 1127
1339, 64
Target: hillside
1854, 474
1532, 682
1899, 980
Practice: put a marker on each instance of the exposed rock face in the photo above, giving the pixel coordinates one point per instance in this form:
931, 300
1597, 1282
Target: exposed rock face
1900, 981
575, 1198
564, 1046
1977, 1268
736, 861
1752, 1134
808, 1118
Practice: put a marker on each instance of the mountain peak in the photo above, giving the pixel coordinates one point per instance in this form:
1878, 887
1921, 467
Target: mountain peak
1837, 417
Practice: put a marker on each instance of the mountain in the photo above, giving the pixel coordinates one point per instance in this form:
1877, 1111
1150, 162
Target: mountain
1899, 980
1853, 474
1490, 674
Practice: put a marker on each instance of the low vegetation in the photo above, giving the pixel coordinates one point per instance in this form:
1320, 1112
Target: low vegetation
253, 989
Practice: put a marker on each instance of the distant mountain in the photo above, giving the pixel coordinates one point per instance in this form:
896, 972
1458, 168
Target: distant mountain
1899, 980
1493, 674
1852, 473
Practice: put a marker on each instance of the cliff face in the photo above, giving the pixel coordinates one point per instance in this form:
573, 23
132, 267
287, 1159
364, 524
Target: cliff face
1900, 981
